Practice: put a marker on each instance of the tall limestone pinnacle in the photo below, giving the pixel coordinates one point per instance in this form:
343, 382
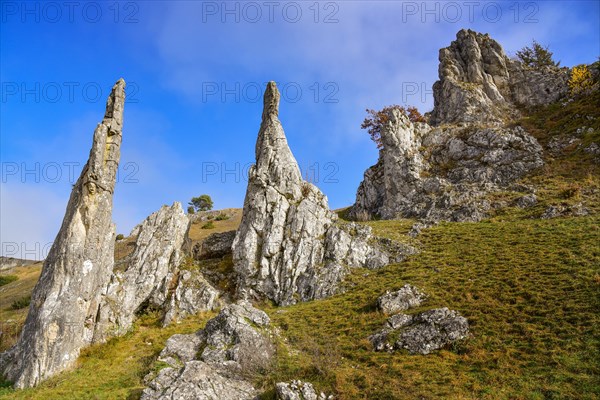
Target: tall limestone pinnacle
289, 246
65, 302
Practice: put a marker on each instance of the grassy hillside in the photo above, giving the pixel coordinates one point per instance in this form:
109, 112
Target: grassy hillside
529, 287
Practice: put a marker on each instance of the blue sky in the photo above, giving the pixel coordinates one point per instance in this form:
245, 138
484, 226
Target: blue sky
194, 69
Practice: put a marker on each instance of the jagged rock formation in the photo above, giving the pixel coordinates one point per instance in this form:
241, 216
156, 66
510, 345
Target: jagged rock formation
152, 277
211, 363
422, 333
65, 302
444, 172
406, 297
193, 293
479, 83
289, 247
298, 390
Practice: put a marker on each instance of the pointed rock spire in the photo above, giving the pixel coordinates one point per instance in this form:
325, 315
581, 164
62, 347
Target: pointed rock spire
65, 301
288, 247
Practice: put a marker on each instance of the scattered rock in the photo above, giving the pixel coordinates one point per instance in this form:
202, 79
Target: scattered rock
66, 299
593, 149
564, 210
213, 363
560, 145
406, 297
422, 333
529, 200
298, 390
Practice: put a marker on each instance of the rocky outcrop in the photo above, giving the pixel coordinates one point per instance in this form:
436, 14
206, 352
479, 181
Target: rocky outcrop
152, 277
289, 246
442, 173
479, 83
212, 363
565, 210
406, 297
65, 302
422, 333
298, 390
193, 293
149, 272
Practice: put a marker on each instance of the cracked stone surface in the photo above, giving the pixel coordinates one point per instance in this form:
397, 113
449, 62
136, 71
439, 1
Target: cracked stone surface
65, 301
211, 363
290, 246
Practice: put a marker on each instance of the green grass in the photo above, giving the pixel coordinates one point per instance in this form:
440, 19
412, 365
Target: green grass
21, 303
114, 370
208, 225
529, 288
6, 279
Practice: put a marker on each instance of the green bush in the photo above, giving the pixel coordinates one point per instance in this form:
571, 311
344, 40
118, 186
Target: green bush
222, 217
120, 236
23, 302
208, 225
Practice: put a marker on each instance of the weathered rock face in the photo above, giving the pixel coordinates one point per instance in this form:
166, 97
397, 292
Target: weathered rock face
406, 297
211, 363
289, 247
192, 294
65, 302
422, 333
479, 83
152, 277
442, 173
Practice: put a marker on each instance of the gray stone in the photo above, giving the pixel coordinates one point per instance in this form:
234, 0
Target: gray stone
8, 263
197, 381
298, 390
479, 83
406, 297
289, 246
65, 301
150, 271
213, 363
529, 200
422, 333
192, 294
442, 173
560, 145
565, 210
